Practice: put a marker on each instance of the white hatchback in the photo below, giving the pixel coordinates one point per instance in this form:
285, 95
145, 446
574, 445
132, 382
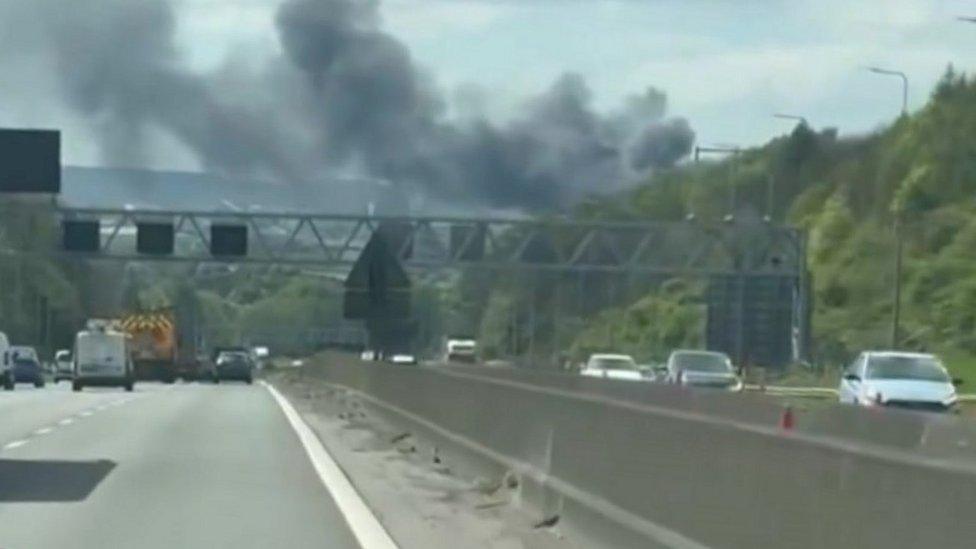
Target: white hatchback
895, 379
612, 366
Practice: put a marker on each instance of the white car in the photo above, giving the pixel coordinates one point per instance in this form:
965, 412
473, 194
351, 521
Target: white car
63, 368
895, 379
612, 366
368, 355
403, 358
702, 369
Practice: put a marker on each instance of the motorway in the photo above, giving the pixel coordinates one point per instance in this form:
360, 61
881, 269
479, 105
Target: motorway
187, 465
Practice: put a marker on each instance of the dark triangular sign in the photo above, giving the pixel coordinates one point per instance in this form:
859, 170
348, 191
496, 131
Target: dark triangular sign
377, 285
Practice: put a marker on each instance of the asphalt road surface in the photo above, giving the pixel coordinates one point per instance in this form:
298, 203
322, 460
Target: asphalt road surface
192, 465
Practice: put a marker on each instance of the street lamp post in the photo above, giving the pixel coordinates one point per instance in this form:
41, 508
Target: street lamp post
796, 117
896, 291
904, 84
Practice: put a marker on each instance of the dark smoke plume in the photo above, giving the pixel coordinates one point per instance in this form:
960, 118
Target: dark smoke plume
346, 97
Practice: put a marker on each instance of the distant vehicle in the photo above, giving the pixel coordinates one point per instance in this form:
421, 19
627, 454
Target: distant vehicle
612, 366
702, 369
653, 372
6, 366
27, 369
403, 358
234, 365
23, 351
259, 356
154, 344
368, 355
102, 357
914, 381
63, 368
461, 350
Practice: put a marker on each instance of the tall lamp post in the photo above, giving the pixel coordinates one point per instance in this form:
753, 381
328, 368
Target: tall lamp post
896, 297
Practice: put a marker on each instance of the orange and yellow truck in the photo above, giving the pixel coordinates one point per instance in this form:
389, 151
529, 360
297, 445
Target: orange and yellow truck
153, 340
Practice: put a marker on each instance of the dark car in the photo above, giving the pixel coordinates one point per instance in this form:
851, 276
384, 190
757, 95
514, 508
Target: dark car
28, 370
234, 365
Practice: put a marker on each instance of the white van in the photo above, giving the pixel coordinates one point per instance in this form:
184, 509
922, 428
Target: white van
6, 363
101, 357
461, 350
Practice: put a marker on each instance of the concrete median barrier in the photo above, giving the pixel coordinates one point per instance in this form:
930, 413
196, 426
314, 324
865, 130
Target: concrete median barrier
629, 466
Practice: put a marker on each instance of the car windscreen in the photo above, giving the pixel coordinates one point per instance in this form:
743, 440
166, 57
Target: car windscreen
613, 364
702, 362
906, 367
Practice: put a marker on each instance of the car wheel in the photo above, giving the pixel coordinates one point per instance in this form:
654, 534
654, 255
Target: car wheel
249, 380
216, 380
75, 386
39, 384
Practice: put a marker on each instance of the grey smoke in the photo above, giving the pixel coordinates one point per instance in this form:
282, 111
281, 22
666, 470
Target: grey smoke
346, 96
660, 145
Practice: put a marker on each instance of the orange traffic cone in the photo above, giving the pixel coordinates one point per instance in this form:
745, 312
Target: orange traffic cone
786, 420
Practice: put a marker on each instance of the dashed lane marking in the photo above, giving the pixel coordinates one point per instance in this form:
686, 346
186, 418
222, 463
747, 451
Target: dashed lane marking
14, 444
43, 430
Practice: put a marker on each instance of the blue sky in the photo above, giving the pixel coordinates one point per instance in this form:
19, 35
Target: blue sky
726, 65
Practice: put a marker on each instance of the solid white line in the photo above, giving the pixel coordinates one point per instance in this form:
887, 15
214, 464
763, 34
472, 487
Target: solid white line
14, 444
43, 430
66, 421
368, 530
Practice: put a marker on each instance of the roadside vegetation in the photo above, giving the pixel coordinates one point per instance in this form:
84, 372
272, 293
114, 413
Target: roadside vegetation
848, 193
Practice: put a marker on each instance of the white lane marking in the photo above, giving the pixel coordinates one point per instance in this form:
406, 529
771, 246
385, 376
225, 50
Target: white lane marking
364, 525
14, 444
43, 430
86, 413
67, 421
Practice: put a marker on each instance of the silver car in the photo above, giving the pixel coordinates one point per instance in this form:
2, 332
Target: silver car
702, 369
896, 379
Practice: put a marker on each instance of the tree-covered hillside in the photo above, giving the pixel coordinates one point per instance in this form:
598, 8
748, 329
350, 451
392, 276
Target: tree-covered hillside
848, 193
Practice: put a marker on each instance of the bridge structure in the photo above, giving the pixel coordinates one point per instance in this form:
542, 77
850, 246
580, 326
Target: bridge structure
423, 242
756, 296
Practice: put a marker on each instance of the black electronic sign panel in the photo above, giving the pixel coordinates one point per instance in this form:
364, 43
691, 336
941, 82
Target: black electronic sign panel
30, 161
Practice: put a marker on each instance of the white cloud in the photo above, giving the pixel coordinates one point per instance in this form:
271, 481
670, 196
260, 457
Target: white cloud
428, 19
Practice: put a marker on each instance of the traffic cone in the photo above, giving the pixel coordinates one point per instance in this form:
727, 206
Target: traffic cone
786, 420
